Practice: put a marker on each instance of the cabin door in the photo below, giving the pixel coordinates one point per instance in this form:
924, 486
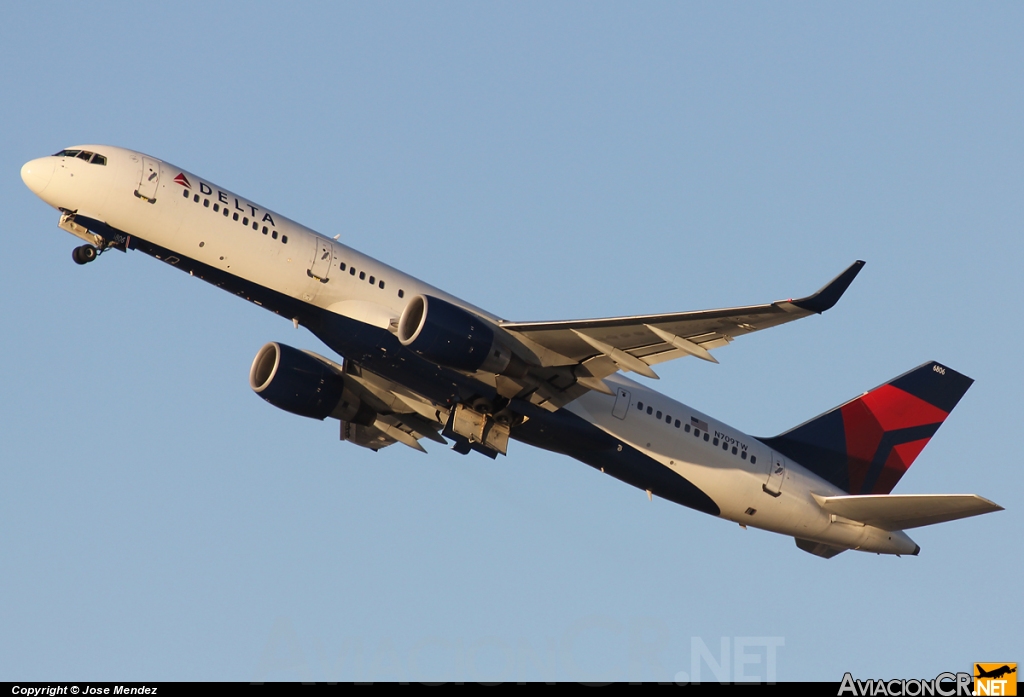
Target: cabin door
322, 258
149, 179
776, 473
621, 403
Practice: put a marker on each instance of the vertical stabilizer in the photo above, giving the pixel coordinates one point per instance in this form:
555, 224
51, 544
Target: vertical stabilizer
866, 445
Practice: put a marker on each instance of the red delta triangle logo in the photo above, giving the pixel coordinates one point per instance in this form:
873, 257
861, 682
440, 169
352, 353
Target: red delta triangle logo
183, 180
888, 427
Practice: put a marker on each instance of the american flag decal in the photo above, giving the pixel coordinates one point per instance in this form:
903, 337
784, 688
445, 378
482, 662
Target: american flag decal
697, 423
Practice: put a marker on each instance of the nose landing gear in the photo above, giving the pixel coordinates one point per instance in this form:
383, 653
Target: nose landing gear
84, 254
99, 235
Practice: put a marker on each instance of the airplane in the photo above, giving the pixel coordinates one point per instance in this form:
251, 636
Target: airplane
995, 673
419, 364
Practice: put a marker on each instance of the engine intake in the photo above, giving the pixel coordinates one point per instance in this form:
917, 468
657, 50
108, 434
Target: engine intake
303, 384
455, 338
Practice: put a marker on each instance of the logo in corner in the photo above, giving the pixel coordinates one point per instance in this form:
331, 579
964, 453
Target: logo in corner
995, 679
183, 180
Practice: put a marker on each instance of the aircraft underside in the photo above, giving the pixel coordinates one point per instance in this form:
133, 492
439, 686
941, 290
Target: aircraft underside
378, 351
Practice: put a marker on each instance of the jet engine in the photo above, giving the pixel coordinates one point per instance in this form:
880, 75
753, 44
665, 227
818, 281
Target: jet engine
450, 336
304, 384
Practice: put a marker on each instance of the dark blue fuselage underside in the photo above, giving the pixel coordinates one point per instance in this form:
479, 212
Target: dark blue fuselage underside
380, 352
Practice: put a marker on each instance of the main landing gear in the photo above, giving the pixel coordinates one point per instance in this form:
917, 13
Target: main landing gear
84, 254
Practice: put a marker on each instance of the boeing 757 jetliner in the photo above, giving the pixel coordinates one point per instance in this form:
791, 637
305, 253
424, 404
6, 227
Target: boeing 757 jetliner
420, 364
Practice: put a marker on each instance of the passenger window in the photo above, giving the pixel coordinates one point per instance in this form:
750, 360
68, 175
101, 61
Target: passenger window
677, 423
734, 450
245, 221
362, 275
196, 198
706, 436
372, 280
185, 192
640, 406
216, 208
753, 459
401, 293
686, 428
381, 285
352, 271
274, 234
206, 203
235, 216
341, 266
725, 446
659, 415
668, 419
255, 225
284, 239
650, 410
265, 230
743, 455
225, 212
715, 442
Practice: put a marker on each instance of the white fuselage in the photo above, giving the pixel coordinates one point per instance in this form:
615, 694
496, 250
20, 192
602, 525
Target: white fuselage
736, 484
190, 217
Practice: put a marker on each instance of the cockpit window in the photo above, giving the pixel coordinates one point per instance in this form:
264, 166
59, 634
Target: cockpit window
92, 158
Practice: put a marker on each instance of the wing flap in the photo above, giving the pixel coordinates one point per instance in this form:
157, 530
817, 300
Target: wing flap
905, 511
402, 416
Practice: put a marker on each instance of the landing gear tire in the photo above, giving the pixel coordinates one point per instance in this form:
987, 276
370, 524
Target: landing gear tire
483, 406
84, 254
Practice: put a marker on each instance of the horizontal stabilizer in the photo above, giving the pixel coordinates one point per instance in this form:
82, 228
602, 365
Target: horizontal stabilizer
904, 511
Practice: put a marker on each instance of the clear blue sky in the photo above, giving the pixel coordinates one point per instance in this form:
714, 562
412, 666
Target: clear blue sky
159, 521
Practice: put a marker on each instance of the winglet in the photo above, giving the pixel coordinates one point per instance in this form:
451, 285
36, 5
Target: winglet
828, 296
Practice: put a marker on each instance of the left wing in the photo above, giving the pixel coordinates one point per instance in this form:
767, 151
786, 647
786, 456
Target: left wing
601, 347
395, 415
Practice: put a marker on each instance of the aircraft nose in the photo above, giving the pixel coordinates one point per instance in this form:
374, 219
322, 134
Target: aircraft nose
37, 174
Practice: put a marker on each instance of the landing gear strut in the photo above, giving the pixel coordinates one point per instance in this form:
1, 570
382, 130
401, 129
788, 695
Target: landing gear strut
84, 254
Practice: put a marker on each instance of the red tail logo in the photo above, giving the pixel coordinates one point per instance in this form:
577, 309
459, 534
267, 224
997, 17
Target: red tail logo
886, 429
183, 180
867, 444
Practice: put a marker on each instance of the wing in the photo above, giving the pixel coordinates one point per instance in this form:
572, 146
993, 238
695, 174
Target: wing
600, 347
384, 431
395, 414
565, 359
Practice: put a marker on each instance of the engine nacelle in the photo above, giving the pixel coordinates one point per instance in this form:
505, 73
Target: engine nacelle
455, 338
303, 384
